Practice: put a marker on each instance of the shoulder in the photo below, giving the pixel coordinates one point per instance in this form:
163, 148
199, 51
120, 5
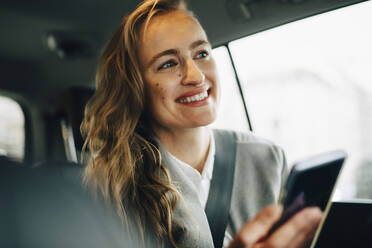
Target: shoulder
249, 144
244, 137
260, 146
260, 169
261, 164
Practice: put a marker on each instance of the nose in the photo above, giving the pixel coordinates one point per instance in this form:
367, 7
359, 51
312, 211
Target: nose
192, 74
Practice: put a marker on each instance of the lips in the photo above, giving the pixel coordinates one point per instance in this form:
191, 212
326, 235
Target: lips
192, 96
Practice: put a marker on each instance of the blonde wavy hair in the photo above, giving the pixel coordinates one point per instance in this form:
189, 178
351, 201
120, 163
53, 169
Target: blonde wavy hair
125, 164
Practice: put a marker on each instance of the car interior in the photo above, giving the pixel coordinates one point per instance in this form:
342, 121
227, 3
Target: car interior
48, 55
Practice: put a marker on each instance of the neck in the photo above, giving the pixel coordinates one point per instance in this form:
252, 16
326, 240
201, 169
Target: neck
189, 145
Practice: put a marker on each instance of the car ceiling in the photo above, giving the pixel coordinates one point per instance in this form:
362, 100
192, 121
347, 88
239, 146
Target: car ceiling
30, 69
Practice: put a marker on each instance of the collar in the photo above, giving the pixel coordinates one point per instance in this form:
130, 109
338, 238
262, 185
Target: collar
208, 166
209, 162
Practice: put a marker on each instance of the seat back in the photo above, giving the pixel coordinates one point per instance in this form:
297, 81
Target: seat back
49, 207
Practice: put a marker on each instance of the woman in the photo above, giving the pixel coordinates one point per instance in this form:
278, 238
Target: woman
157, 89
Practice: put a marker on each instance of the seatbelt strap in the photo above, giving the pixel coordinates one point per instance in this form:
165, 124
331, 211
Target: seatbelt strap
219, 199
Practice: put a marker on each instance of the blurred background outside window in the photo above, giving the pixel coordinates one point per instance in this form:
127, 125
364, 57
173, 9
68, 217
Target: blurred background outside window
308, 87
231, 109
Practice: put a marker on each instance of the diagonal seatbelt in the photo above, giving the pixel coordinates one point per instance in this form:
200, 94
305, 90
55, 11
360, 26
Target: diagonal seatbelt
219, 199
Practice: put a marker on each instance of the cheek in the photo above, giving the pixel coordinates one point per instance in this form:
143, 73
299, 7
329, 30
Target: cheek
160, 103
212, 75
157, 94
210, 70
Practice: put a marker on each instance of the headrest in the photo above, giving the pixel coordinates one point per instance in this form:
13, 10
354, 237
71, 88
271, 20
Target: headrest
71, 105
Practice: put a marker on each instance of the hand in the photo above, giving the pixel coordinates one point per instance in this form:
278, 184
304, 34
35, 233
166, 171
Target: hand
295, 233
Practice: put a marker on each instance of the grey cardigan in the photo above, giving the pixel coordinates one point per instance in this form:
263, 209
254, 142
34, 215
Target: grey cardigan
259, 172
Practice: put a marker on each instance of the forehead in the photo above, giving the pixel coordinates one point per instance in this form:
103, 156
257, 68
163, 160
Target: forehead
172, 30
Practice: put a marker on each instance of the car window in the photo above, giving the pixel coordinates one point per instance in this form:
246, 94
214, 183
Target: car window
231, 109
12, 135
308, 87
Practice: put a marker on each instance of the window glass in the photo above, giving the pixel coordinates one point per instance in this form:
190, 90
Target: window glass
12, 135
231, 113
308, 88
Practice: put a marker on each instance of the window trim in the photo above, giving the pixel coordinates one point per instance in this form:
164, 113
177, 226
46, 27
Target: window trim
226, 45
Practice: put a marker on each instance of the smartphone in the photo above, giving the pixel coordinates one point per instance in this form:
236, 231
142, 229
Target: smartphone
311, 182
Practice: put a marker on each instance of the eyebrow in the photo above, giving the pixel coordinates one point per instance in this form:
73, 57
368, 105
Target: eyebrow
166, 52
175, 51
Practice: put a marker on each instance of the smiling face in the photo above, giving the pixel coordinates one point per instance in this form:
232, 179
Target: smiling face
179, 72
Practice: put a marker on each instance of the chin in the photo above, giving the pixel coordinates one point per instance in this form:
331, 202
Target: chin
205, 120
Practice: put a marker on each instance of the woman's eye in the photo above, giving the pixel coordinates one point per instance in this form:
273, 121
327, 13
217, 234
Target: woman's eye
202, 54
167, 64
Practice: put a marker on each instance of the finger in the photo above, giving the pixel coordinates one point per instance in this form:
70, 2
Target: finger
309, 238
310, 235
297, 231
304, 239
257, 228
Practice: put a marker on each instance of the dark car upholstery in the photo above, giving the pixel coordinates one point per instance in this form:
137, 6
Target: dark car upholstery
49, 207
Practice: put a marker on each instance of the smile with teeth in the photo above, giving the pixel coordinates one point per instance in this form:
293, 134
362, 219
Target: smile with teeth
194, 98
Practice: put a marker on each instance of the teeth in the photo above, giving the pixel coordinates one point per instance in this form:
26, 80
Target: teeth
195, 98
